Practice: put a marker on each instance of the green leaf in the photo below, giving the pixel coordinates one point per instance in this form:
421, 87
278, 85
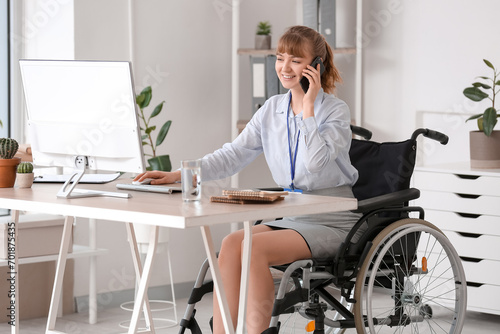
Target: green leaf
263, 28
161, 162
140, 99
480, 84
475, 94
489, 64
497, 83
144, 137
489, 120
157, 110
147, 93
474, 117
163, 133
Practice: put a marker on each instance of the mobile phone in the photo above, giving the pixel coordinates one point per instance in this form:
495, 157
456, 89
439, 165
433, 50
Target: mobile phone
304, 81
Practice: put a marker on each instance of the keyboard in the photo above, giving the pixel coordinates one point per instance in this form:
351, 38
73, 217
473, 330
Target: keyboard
163, 189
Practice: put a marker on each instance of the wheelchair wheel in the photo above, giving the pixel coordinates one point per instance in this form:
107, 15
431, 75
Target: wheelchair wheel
412, 279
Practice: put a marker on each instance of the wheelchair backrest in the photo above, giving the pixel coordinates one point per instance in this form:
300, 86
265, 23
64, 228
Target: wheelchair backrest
383, 167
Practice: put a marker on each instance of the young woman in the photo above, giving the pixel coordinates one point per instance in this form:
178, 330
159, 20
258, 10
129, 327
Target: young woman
305, 138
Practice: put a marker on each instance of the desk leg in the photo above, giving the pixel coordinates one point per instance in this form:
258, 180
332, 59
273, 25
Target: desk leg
245, 271
143, 276
93, 272
14, 270
58, 280
219, 289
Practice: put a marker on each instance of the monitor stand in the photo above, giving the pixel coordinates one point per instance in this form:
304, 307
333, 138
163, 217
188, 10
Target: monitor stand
68, 189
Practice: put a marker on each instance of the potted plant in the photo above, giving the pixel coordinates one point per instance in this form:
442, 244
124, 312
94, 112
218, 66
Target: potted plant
156, 162
263, 36
485, 143
8, 163
25, 175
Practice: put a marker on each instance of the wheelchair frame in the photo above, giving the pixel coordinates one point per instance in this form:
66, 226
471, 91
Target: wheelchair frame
385, 258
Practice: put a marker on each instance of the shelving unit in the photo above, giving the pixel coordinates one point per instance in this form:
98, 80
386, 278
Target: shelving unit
78, 252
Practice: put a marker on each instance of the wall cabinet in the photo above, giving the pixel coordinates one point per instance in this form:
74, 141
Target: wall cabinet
465, 204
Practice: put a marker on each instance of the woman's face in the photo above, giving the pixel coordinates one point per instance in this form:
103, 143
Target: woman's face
289, 69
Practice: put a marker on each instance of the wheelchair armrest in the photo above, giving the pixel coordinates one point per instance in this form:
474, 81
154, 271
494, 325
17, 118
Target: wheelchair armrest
387, 200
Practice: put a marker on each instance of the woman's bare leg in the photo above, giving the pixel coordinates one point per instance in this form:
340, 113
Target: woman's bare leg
230, 268
269, 247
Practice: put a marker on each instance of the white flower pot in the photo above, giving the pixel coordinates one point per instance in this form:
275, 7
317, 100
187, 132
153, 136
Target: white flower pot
24, 180
484, 150
262, 42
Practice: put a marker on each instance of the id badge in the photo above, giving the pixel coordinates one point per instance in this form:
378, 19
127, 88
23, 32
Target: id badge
290, 190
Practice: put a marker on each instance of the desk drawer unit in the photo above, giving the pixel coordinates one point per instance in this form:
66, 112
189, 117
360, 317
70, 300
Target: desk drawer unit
465, 204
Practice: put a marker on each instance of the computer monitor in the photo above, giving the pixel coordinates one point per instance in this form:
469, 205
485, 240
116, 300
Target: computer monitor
82, 114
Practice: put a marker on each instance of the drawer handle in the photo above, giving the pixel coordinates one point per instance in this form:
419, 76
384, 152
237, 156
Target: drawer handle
468, 215
468, 196
470, 259
469, 235
474, 284
467, 177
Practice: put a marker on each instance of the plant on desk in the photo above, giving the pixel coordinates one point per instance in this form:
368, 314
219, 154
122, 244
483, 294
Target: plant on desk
8, 163
485, 143
25, 175
161, 162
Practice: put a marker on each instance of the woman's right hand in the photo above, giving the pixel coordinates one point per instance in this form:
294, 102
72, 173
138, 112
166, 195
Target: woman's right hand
160, 177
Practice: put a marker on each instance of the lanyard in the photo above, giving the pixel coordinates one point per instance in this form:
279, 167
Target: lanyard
292, 161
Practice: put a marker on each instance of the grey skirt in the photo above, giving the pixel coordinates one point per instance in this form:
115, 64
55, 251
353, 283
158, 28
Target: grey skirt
323, 233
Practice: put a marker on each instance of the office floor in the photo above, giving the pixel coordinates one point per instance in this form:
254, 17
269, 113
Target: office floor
108, 322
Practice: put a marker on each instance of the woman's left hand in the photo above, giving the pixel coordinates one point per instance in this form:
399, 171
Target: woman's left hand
314, 77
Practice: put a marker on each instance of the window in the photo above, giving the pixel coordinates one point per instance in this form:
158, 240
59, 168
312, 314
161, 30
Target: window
4, 74
4, 67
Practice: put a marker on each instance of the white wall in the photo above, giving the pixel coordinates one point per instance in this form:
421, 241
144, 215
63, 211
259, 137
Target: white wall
419, 56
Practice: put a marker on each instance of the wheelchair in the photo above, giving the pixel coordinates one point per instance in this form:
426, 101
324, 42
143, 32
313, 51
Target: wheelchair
401, 276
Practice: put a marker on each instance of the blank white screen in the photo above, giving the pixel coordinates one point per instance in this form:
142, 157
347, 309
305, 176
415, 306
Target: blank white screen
82, 108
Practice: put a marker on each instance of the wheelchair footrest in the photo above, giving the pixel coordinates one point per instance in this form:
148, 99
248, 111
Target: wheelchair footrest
271, 330
286, 305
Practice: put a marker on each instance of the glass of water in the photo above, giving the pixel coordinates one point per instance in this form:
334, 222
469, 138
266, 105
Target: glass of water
191, 180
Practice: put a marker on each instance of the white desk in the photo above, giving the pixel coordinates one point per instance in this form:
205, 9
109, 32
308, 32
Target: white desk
158, 210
